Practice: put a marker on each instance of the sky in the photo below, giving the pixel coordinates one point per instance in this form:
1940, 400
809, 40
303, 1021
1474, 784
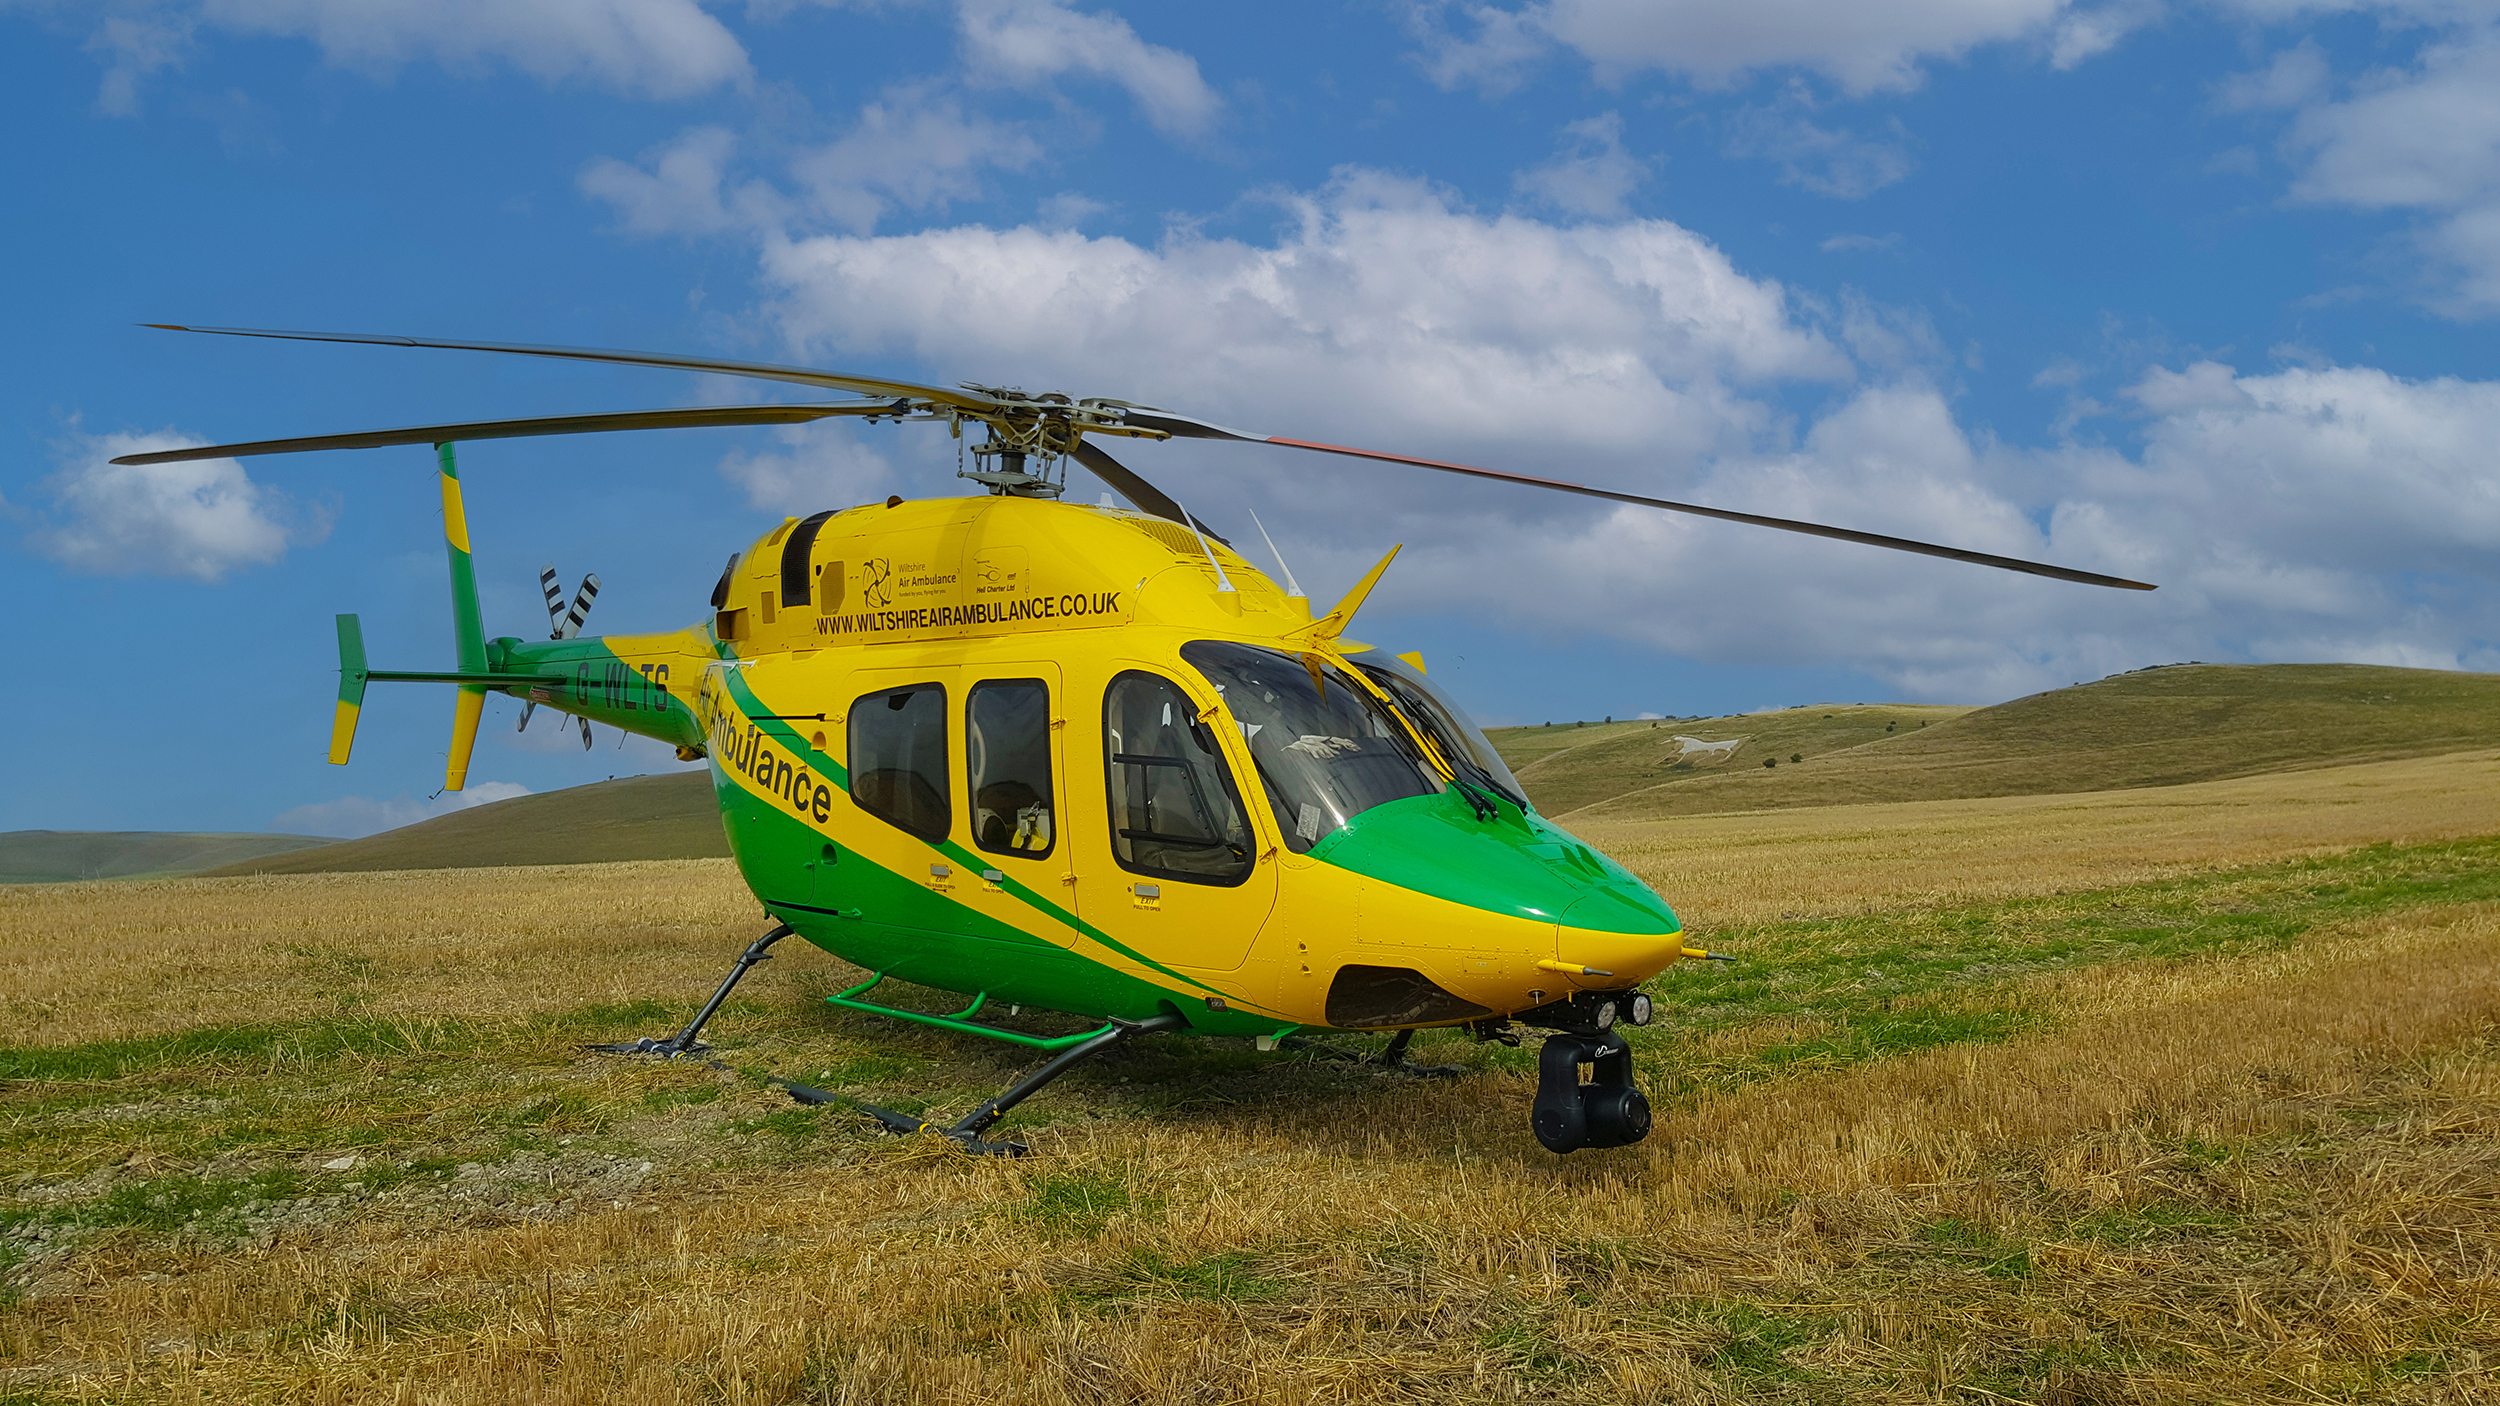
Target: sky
2198, 292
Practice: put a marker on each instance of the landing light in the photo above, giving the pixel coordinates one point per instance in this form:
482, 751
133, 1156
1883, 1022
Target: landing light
1640, 1009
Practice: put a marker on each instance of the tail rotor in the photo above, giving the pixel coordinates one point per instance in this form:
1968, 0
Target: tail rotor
563, 624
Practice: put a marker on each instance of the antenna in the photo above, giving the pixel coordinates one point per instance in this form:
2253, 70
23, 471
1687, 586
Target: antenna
1223, 583
1293, 587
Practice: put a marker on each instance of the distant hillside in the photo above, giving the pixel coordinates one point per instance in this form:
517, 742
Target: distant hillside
641, 817
61, 856
2155, 727
1571, 765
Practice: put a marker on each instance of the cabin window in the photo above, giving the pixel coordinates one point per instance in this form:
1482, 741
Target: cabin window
1007, 764
1325, 749
1174, 812
898, 758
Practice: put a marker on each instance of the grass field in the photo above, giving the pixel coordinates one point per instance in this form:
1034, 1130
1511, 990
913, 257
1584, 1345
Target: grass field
2190, 1094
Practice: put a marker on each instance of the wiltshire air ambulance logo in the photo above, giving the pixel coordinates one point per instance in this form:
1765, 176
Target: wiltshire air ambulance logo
876, 582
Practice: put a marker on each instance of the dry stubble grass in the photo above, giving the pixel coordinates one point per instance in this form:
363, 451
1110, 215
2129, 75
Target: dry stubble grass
2270, 1176
1839, 860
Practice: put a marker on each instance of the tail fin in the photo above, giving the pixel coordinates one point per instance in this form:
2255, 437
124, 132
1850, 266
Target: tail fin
463, 736
467, 628
473, 676
351, 689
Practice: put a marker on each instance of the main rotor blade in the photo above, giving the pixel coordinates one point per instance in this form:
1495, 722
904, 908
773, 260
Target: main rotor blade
695, 417
1127, 484
802, 375
1184, 427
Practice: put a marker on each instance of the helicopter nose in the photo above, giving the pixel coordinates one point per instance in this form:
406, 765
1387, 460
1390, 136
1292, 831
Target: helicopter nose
1621, 929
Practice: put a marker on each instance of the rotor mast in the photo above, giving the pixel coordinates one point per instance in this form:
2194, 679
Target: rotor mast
1031, 437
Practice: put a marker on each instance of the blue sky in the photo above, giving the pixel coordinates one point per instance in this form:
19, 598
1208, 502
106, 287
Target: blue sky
2201, 293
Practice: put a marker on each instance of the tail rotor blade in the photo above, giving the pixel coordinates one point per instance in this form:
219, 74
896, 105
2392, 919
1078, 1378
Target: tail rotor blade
582, 600
555, 607
585, 722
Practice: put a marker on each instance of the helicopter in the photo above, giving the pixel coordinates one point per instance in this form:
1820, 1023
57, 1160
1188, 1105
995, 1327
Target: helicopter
1083, 758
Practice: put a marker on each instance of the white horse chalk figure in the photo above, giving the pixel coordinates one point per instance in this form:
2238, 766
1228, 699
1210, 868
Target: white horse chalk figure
1695, 747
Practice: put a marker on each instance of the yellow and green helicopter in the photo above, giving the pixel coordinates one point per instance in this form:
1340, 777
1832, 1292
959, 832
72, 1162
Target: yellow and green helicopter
1086, 758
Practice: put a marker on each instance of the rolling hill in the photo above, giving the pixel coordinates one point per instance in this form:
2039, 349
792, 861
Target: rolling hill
672, 816
2155, 727
60, 856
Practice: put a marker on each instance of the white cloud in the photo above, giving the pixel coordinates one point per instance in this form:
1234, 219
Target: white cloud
2347, 467
1863, 47
678, 193
660, 48
200, 519
2294, 515
912, 150
1029, 43
1834, 162
665, 48
1859, 243
1592, 174
2084, 35
2429, 138
2423, 138
1380, 305
354, 817
2206, 385
1069, 210
2293, 77
134, 46
817, 466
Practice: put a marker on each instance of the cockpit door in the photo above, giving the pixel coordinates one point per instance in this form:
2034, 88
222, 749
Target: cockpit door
1169, 860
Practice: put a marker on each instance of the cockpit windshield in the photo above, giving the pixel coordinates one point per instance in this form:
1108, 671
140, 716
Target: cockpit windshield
1444, 724
1325, 748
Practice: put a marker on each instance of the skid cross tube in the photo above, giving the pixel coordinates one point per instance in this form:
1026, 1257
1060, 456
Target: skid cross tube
684, 1042
956, 1022
966, 1131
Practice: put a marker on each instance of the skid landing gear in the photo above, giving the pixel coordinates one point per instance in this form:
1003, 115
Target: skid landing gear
1393, 1060
965, 1132
1607, 1111
684, 1041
